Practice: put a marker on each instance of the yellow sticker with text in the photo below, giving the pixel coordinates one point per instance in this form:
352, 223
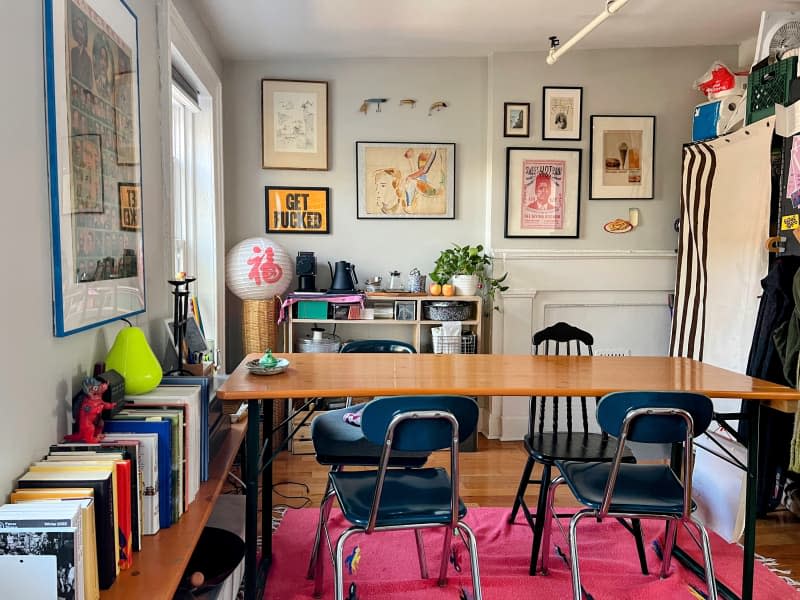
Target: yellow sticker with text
297, 210
790, 222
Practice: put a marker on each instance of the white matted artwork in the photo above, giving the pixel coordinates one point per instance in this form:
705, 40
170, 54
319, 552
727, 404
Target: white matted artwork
622, 157
561, 113
294, 122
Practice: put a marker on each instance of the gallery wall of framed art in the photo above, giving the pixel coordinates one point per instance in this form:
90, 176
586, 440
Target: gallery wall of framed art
92, 104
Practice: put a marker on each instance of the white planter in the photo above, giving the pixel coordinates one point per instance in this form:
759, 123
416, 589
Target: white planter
466, 285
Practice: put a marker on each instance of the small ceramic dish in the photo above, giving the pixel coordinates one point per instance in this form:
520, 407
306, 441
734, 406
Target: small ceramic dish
256, 369
618, 226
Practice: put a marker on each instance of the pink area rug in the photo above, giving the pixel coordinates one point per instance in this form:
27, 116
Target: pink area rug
389, 570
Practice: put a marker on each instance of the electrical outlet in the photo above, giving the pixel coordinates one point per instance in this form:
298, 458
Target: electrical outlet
612, 352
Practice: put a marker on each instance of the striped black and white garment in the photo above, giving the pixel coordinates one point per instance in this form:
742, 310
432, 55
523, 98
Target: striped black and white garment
724, 223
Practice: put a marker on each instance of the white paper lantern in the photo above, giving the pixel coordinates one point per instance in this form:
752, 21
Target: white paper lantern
257, 268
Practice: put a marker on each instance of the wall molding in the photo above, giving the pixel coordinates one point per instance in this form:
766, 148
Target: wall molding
509, 255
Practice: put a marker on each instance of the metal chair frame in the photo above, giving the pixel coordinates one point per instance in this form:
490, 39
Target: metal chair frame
456, 524
354, 346
605, 510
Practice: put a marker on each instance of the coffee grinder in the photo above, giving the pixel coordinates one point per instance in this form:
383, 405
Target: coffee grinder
306, 271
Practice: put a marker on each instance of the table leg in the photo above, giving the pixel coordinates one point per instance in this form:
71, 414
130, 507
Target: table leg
251, 503
266, 488
753, 427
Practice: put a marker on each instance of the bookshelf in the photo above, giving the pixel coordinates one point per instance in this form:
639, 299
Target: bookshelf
158, 567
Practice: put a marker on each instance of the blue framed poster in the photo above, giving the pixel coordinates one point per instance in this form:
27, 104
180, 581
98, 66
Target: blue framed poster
93, 141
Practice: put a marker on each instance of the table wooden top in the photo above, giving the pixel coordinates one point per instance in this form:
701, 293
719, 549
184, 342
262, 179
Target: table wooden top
331, 375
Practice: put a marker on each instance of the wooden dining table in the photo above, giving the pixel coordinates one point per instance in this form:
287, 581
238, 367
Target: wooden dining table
321, 375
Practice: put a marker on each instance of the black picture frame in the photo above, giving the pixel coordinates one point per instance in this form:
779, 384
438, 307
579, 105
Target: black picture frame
562, 112
516, 119
297, 209
559, 217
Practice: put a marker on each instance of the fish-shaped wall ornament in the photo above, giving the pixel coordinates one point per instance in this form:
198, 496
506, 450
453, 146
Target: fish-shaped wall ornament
408, 102
437, 106
376, 101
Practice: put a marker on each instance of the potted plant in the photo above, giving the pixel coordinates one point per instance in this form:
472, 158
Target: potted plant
468, 267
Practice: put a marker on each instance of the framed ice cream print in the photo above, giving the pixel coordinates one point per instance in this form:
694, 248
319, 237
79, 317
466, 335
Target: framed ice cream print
92, 108
622, 157
543, 192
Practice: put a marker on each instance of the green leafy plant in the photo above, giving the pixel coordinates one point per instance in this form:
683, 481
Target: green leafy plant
467, 260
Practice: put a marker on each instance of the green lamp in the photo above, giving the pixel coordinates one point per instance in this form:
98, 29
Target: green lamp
131, 357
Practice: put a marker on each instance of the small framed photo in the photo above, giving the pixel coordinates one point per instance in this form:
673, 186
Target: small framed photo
130, 206
561, 113
543, 192
297, 210
294, 124
622, 157
516, 119
405, 310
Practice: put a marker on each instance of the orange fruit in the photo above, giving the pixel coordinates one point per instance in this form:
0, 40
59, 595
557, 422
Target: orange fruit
448, 289
435, 289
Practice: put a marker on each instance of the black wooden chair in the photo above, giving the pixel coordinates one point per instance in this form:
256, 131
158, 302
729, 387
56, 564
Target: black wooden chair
564, 438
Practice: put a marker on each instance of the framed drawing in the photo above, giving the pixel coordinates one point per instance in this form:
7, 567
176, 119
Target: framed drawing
622, 157
92, 103
297, 210
516, 119
561, 113
543, 192
294, 124
406, 180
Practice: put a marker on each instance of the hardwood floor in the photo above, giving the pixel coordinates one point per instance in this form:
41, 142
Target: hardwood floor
490, 476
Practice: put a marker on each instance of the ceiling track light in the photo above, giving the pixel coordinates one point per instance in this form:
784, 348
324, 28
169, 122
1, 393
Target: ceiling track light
556, 49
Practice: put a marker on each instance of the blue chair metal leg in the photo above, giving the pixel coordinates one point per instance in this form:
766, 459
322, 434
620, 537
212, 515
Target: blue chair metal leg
448, 536
669, 544
472, 546
550, 516
324, 512
319, 564
711, 582
577, 589
338, 563
423, 563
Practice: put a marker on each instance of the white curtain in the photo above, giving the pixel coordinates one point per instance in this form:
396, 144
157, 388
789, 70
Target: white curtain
722, 258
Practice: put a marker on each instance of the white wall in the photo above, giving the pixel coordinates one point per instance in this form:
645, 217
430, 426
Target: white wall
374, 246
41, 373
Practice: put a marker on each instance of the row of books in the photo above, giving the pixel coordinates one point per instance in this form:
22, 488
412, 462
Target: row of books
87, 506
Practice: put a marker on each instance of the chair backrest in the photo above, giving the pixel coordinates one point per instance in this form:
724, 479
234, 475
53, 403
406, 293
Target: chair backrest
418, 423
561, 339
654, 418
660, 428
375, 346
415, 434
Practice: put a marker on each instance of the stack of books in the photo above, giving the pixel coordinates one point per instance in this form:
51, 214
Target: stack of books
77, 516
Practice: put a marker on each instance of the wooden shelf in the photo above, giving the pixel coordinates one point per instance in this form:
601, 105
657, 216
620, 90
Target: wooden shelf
157, 569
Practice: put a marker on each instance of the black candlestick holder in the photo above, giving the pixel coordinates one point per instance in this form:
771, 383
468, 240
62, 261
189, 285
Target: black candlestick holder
180, 314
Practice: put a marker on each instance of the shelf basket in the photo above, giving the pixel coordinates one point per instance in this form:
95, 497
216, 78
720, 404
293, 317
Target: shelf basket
454, 344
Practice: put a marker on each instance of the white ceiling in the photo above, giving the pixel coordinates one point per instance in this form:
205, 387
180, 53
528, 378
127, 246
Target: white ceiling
262, 29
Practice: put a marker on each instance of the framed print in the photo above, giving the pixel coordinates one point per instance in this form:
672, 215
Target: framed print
543, 192
92, 104
622, 157
130, 207
294, 124
406, 180
297, 210
516, 119
405, 310
561, 113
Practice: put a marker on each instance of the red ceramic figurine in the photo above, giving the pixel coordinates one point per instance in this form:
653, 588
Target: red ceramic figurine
88, 413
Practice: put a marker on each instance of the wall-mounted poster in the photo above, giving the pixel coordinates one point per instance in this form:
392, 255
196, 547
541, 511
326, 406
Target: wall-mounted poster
406, 180
542, 192
297, 210
622, 157
294, 124
92, 102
